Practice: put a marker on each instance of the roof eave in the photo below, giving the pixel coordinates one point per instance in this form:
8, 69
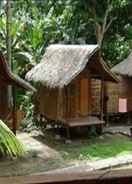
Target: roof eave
13, 79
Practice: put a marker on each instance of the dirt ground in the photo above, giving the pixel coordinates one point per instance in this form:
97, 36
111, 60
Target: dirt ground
25, 166
48, 152
39, 158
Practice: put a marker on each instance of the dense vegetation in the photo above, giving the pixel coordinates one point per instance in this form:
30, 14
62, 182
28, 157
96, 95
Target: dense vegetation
106, 22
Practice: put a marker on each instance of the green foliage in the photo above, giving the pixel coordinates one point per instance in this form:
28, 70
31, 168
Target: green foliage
26, 104
65, 21
97, 148
25, 100
9, 144
116, 50
70, 21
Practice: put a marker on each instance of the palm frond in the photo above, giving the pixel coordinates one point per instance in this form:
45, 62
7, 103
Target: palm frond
9, 144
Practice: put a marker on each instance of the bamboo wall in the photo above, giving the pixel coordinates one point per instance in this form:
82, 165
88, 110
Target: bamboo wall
71, 104
123, 89
74, 100
82, 97
114, 91
96, 97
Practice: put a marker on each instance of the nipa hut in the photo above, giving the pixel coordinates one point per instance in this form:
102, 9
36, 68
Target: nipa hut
7, 78
120, 95
65, 92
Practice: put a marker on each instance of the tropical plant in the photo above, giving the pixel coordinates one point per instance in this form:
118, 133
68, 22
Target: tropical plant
9, 145
65, 21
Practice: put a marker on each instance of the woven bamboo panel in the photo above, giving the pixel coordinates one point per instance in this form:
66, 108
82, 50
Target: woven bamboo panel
121, 90
113, 96
96, 97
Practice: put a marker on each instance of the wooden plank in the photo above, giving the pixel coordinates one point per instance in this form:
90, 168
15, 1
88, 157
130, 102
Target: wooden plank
71, 100
84, 121
77, 103
102, 99
60, 104
75, 124
68, 101
97, 177
84, 97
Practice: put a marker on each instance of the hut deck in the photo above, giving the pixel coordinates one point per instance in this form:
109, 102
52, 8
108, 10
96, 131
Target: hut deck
87, 121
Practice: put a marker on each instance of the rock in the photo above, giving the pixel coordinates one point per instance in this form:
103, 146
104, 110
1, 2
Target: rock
57, 137
34, 133
68, 141
101, 137
49, 126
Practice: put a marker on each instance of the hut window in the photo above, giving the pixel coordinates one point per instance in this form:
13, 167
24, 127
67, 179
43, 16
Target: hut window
122, 105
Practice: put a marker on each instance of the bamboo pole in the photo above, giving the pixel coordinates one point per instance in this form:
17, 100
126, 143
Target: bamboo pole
102, 99
60, 104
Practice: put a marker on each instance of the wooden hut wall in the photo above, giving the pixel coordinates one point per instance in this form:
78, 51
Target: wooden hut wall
80, 98
47, 102
78, 101
96, 97
129, 93
113, 91
75, 99
121, 90
71, 100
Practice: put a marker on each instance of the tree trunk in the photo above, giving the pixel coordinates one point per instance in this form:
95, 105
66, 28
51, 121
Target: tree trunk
11, 90
8, 31
8, 44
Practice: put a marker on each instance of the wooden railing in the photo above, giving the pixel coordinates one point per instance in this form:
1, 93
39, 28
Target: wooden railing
100, 177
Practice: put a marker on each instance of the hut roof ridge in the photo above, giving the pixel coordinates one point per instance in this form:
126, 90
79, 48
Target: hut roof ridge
124, 67
6, 75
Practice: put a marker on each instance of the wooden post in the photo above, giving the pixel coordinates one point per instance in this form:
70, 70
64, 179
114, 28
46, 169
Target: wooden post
77, 97
106, 98
60, 104
14, 124
65, 102
102, 99
67, 106
68, 102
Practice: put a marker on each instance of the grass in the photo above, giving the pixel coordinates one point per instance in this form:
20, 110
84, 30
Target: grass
94, 148
98, 150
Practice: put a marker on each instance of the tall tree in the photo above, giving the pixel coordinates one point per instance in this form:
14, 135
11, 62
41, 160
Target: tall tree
8, 31
8, 44
11, 91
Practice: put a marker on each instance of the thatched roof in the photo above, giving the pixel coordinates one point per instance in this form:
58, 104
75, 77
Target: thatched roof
8, 78
125, 67
62, 63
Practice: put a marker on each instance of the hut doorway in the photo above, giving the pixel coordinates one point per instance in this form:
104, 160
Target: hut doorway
72, 100
78, 99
